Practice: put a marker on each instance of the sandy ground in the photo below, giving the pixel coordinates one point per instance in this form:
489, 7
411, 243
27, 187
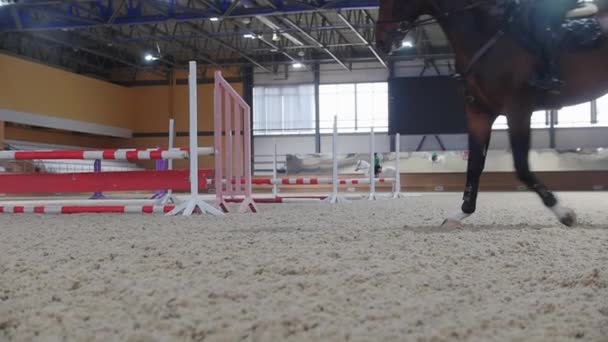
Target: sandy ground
363, 271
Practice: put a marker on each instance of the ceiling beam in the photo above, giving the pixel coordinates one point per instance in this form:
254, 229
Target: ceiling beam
314, 40
74, 44
76, 22
363, 40
204, 34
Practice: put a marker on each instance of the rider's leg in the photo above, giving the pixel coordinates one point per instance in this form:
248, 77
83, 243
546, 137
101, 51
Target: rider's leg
548, 20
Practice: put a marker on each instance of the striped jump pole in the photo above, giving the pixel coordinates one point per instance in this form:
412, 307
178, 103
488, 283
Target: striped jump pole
309, 181
85, 209
90, 182
116, 154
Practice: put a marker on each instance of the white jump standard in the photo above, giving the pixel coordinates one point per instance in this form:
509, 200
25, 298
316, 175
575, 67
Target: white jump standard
186, 208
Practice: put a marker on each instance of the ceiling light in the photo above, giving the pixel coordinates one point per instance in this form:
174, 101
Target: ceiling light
407, 44
275, 37
297, 65
249, 35
149, 57
214, 19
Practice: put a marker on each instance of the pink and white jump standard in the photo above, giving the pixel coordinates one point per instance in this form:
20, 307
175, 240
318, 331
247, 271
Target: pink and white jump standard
234, 114
232, 156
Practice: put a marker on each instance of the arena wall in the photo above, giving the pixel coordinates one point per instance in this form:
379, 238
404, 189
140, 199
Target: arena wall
46, 105
36, 89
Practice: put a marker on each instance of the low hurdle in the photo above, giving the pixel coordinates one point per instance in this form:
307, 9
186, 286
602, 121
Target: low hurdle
232, 156
335, 181
86, 209
112, 154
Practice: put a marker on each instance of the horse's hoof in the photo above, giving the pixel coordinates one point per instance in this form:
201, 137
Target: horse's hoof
565, 215
568, 219
452, 224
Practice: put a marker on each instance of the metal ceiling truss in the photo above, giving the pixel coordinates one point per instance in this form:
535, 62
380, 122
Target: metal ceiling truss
96, 36
39, 16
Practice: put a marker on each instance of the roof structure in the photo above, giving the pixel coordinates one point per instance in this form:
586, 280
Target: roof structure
96, 37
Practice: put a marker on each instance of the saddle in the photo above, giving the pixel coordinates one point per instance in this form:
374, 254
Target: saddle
580, 30
585, 10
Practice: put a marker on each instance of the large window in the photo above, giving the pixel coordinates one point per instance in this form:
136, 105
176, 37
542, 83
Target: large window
291, 109
337, 100
575, 116
359, 106
602, 111
284, 109
372, 106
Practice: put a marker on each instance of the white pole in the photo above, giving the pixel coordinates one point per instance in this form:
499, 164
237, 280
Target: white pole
193, 132
188, 207
275, 187
397, 184
334, 153
372, 173
168, 198
334, 197
171, 141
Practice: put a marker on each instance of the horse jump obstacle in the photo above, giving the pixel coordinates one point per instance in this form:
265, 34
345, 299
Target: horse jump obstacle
334, 197
153, 180
235, 116
116, 154
86, 209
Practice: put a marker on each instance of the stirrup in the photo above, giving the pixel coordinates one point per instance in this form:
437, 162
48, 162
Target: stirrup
551, 85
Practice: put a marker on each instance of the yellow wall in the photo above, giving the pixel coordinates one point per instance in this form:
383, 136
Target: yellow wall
38, 89
152, 107
66, 138
152, 113
34, 88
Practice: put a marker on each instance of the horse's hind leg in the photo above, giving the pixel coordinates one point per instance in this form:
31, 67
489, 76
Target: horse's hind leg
519, 134
480, 130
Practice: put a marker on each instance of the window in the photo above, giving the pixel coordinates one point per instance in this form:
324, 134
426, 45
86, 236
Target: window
538, 120
337, 100
602, 111
575, 116
284, 109
359, 106
372, 106
291, 109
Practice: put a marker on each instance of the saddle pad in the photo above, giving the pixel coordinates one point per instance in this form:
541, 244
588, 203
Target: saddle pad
583, 33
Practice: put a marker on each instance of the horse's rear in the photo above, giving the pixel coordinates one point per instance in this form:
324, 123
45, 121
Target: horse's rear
585, 69
602, 5
603, 14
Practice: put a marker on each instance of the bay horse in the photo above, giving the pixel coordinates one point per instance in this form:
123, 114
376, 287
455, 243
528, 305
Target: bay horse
495, 68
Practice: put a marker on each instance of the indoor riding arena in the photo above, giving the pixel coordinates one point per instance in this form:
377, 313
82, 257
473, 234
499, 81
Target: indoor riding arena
269, 170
